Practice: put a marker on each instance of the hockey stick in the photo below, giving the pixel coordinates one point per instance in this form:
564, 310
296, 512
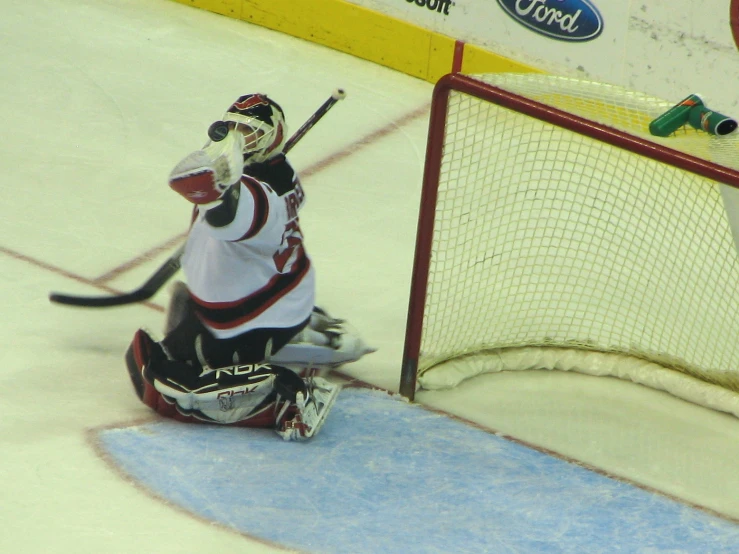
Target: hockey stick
163, 274
168, 269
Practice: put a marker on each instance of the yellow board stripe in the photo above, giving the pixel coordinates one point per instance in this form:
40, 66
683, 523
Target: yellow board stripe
363, 33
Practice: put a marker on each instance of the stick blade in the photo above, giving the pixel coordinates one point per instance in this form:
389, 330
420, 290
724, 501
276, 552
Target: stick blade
98, 301
165, 272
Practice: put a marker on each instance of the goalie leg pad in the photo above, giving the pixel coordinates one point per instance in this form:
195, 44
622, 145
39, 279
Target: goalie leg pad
330, 348
143, 352
231, 395
241, 395
255, 395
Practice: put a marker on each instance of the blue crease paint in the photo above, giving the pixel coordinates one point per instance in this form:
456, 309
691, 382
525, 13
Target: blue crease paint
387, 476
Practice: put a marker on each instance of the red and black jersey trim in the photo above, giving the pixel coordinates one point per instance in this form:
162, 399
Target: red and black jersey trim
228, 315
261, 207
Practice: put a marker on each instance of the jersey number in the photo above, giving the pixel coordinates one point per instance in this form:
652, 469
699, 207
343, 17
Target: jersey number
290, 249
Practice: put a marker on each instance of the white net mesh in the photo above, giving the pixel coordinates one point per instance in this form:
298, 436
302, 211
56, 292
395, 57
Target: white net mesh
547, 238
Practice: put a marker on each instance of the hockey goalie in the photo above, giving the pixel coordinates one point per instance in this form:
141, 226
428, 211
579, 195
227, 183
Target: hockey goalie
243, 338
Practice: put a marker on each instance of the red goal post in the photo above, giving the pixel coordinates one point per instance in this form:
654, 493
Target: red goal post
555, 232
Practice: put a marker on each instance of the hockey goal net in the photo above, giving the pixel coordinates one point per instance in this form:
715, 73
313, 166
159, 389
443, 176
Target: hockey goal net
555, 232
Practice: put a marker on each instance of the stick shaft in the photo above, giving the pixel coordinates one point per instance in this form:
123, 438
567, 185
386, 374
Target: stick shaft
312, 120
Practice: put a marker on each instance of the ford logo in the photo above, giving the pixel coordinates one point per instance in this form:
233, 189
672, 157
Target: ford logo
571, 20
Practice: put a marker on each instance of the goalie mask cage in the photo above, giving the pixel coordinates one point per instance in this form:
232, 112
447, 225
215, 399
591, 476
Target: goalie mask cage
556, 233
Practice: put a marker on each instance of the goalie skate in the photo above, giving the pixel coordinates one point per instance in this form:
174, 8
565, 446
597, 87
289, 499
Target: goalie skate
312, 408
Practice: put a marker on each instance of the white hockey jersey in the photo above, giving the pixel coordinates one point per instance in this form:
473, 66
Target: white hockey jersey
252, 272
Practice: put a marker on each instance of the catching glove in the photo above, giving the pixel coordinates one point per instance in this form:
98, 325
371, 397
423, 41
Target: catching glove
205, 175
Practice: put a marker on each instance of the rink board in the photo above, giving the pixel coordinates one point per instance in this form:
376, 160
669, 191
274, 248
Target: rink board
387, 476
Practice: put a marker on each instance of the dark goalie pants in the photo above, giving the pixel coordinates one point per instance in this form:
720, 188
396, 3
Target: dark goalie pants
250, 347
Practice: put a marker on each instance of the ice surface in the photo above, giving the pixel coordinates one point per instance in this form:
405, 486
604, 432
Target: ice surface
100, 100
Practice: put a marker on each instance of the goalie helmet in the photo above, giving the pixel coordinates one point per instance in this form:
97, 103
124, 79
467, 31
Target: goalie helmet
262, 122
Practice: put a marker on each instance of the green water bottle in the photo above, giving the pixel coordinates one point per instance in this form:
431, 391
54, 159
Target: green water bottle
675, 117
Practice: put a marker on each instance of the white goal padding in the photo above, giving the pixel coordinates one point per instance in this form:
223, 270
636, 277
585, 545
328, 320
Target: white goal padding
602, 364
